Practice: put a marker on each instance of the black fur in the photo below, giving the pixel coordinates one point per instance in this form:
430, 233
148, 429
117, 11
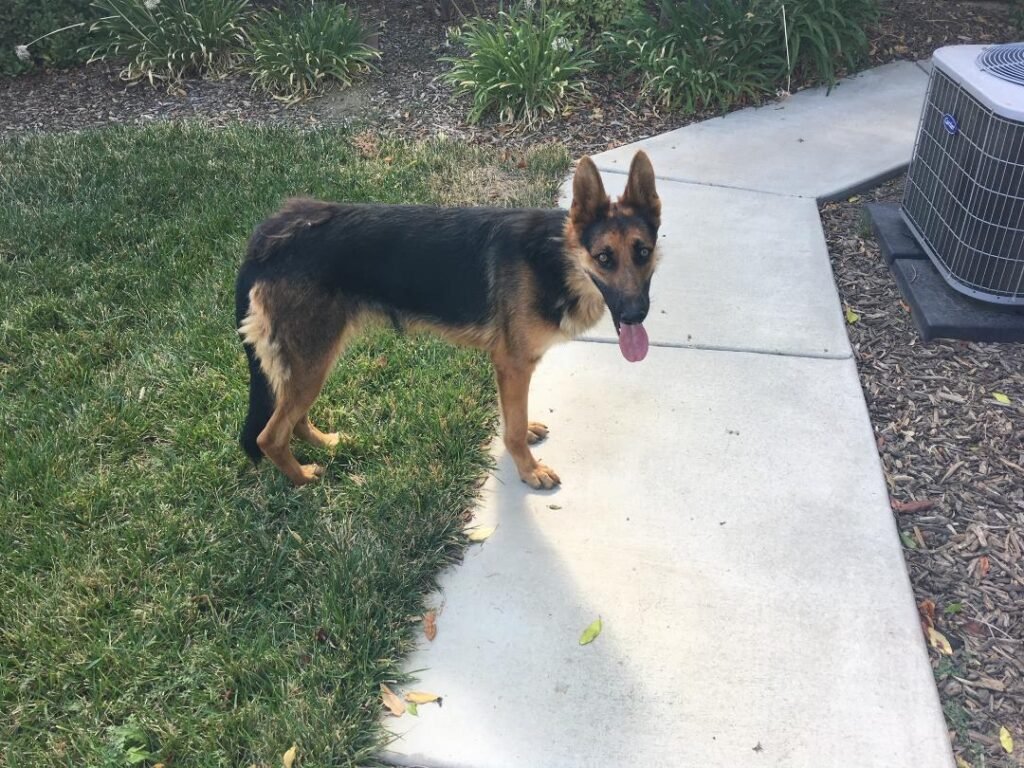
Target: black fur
261, 399
429, 263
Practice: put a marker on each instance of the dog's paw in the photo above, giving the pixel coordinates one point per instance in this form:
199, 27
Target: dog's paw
535, 432
310, 472
541, 477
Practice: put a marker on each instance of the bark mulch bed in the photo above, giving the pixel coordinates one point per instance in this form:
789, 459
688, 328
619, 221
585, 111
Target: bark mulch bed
406, 98
954, 462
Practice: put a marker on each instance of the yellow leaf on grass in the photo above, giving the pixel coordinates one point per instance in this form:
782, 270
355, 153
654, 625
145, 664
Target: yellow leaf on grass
851, 316
591, 632
939, 642
480, 533
421, 697
1001, 398
961, 763
289, 757
1006, 739
394, 704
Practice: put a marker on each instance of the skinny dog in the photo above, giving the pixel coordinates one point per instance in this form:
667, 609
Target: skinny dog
510, 281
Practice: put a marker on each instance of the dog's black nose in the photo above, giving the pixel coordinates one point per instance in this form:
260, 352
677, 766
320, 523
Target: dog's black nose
635, 310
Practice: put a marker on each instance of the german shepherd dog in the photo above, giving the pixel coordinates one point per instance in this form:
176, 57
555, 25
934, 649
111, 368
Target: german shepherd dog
510, 281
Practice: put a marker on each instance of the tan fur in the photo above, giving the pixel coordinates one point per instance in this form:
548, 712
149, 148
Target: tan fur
256, 331
591, 306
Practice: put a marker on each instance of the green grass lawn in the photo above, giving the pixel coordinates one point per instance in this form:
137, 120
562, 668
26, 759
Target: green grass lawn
160, 599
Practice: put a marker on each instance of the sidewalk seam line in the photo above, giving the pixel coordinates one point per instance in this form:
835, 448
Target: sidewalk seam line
712, 184
746, 350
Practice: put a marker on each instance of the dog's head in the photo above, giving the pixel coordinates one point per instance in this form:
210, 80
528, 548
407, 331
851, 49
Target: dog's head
620, 240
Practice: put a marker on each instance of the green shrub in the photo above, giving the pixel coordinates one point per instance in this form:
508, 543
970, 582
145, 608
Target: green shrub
170, 39
584, 16
698, 57
522, 66
825, 34
23, 21
715, 54
294, 55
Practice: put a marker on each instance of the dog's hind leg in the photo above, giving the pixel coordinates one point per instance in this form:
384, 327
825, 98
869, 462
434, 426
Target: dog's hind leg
513, 374
304, 430
294, 399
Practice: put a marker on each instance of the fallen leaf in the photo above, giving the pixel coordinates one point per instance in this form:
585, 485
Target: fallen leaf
908, 540
412, 709
289, 757
430, 625
927, 611
421, 697
912, 507
851, 316
1001, 398
853, 199
394, 704
961, 763
984, 566
480, 533
939, 642
952, 608
591, 632
1006, 739
975, 628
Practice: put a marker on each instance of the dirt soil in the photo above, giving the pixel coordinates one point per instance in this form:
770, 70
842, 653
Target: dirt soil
954, 461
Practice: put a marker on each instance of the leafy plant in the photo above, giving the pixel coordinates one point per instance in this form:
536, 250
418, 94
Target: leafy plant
50, 32
701, 56
294, 55
585, 16
1017, 14
824, 34
170, 39
523, 65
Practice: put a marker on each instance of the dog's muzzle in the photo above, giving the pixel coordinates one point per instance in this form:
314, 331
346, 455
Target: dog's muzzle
628, 315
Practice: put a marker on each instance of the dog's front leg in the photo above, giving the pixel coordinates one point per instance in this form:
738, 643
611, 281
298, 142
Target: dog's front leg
513, 374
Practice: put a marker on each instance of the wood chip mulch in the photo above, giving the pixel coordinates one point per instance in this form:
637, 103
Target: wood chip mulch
954, 462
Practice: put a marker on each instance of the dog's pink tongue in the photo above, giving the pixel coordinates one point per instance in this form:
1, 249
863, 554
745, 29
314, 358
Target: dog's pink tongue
633, 341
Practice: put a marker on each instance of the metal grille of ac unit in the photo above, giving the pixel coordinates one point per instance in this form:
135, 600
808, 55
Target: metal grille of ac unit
964, 197
1004, 61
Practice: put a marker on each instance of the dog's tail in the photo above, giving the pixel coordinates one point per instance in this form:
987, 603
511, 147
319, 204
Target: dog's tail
261, 398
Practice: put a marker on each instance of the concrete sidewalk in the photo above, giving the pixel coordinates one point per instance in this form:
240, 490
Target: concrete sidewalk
723, 509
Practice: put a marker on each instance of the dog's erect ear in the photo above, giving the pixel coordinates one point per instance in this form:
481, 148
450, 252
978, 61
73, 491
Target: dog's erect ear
589, 200
640, 193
